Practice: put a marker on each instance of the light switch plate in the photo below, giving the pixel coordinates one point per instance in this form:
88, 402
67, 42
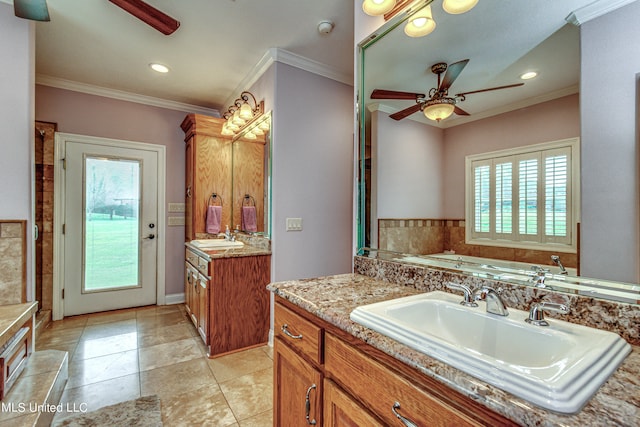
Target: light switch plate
176, 220
294, 224
176, 207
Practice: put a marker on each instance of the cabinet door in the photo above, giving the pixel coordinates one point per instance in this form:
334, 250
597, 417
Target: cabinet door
203, 307
297, 389
192, 294
340, 410
189, 233
188, 286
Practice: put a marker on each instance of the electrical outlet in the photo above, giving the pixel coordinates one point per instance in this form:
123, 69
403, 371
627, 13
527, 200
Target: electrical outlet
294, 224
176, 207
176, 220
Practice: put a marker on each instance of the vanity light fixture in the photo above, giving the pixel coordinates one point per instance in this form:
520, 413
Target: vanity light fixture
528, 75
421, 23
456, 7
377, 7
241, 114
160, 68
439, 108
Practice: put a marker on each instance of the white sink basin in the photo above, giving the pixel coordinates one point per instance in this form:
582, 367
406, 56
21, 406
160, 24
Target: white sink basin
216, 244
558, 367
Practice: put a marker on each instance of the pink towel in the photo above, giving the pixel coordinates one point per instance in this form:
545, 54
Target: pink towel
249, 222
214, 218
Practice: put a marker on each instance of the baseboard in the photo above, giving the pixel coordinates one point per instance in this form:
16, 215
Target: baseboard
270, 337
174, 299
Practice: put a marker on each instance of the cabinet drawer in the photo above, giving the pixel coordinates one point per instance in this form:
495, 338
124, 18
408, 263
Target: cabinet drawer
203, 266
379, 388
298, 333
191, 257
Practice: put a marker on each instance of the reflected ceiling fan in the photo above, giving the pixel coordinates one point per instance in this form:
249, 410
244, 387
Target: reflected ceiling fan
36, 10
439, 105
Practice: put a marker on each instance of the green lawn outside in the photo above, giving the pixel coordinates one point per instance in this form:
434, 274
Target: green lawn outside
111, 252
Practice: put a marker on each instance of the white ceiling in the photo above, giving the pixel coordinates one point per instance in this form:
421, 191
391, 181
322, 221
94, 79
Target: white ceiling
217, 46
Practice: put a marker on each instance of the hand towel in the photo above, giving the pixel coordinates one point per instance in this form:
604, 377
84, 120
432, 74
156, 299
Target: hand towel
214, 218
249, 222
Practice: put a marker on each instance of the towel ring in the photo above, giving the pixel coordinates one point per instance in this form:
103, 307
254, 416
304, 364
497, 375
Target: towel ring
249, 200
212, 199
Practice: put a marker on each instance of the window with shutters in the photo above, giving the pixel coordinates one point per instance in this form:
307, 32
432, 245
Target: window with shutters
526, 197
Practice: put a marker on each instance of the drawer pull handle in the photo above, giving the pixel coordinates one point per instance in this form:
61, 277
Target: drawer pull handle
289, 334
307, 405
406, 421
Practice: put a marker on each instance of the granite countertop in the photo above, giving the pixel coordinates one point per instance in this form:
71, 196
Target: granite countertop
246, 250
12, 317
332, 298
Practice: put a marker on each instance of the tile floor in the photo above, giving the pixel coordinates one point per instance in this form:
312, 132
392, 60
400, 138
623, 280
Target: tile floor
122, 355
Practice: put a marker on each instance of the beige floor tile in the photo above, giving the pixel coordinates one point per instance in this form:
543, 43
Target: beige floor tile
268, 349
97, 395
205, 406
88, 348
163, 335
104, 330
146, 323
111, 316
250, 394
67, 323
26, 395
238, 364
170, 353
261, 420
61, 334
157, 310
97, 369
176, 379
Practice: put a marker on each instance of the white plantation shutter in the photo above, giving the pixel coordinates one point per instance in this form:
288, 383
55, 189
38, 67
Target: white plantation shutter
524, 197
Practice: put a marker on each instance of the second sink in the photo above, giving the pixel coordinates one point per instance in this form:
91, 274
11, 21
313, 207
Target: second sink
557, 367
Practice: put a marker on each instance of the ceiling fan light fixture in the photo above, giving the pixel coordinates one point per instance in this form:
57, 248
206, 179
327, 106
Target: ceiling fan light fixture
439, 108
421, 23
456, 7
377, 7
528, 75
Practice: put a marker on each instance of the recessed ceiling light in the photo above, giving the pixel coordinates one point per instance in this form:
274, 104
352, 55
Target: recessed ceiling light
528, 75
159, 68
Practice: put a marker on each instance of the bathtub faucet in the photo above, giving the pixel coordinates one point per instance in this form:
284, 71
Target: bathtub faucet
556, 259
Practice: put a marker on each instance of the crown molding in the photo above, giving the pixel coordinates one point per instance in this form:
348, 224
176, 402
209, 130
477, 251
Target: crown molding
595, 10
459, 120
283, 56
74, 86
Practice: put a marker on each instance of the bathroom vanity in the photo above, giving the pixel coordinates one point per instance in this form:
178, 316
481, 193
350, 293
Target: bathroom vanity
343, 373
225, 297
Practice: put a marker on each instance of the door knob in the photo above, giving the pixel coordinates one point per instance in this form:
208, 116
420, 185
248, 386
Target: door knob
150, 237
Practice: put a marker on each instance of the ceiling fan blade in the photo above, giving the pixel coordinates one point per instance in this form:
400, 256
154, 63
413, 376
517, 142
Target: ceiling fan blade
406, 112
392, 94
149, 15
491, 88
35, 10
452, 73
459, 111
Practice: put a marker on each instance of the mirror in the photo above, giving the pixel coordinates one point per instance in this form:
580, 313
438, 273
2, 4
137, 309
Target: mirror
251, 177
412, 171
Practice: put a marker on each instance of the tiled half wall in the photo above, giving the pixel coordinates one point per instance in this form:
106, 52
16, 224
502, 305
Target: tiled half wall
12, 261
430, 236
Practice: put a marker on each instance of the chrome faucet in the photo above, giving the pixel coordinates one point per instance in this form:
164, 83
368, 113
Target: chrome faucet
536, 314
556, 259
541, 274
467, 300
495, 304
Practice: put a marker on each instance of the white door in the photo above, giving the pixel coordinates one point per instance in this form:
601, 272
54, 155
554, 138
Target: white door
111, 226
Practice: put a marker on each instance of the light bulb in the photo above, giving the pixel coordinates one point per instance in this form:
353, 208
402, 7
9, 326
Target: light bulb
377, 7
246, 112
456, 7
237, 120
421, 23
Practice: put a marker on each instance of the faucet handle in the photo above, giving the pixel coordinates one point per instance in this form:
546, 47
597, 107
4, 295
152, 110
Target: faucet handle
536, 314
468, 294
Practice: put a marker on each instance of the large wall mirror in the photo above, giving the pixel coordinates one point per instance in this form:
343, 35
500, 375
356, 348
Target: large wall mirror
414, 173
251, 178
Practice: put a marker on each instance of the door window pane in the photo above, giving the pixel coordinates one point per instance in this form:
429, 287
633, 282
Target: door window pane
111, 224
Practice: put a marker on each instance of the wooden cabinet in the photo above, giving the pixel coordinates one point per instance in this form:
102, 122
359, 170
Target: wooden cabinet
227, 300
207, 171
361, 385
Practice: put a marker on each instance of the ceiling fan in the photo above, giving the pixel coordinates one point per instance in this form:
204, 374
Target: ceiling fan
439, 105
36, 10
